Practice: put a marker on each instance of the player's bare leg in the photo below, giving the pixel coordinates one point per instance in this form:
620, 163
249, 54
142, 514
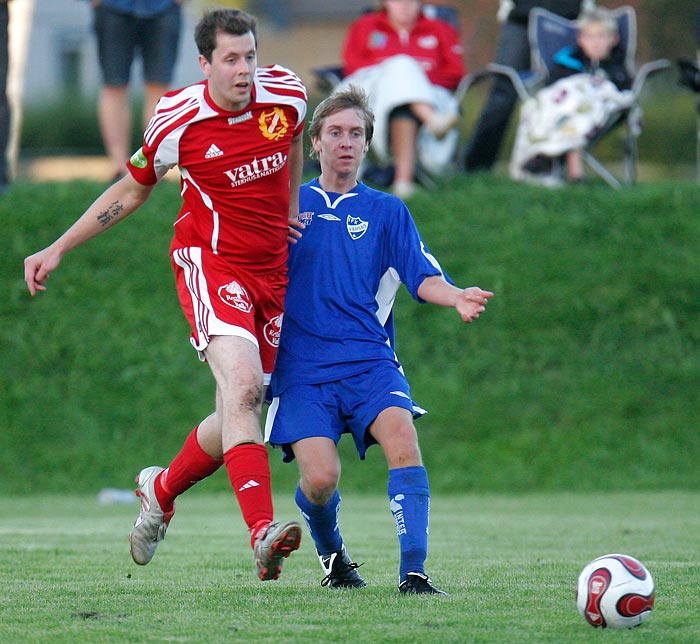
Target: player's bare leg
235, 363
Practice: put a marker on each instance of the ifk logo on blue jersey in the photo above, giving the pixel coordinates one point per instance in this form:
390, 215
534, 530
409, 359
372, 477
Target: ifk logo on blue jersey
356, 227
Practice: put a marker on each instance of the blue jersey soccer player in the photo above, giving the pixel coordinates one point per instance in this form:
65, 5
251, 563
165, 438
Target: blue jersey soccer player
336, 370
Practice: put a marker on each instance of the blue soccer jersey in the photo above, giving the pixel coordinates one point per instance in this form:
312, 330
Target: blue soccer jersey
356, 250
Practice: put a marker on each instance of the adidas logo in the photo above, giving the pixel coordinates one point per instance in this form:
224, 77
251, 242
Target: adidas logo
213, 151
249, 485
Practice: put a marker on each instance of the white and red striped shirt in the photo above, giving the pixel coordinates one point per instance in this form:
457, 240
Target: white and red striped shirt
234, 166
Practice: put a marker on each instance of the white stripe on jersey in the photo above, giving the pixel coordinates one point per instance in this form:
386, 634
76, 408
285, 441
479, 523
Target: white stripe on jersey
386, 294
188, 181
431, 258
172, 108
278, 84
281, 77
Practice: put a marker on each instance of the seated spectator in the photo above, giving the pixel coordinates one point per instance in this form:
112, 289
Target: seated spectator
512, 50
408, 64
589, 84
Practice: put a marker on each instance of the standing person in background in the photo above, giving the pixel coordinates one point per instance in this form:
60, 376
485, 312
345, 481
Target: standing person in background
4, 104
336, 370
237, 139
408, 64
125, 29
512, 50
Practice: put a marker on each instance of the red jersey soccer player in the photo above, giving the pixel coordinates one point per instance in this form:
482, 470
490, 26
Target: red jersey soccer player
237, 139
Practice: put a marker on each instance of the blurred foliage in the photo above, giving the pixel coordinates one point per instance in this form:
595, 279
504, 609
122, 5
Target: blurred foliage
68, 125
582, 374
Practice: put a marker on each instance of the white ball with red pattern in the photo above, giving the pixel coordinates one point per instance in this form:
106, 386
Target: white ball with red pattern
615, 591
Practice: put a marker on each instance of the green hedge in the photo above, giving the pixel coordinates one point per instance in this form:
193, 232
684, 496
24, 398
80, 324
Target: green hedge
583, 373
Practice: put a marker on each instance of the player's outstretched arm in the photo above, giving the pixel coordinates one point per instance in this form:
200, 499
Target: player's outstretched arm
114, 204
469, 302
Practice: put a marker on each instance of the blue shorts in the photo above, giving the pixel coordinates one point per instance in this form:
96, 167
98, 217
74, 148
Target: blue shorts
121, 36
332, 409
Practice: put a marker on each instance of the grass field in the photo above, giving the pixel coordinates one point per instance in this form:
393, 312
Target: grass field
577, 388
509, 564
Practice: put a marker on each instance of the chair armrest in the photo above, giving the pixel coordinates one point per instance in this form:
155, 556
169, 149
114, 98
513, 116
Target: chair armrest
646, 70
328, 77
513, 76
468, 81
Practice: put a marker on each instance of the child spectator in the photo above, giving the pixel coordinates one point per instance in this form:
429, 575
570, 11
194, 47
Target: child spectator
589, 85
512, 50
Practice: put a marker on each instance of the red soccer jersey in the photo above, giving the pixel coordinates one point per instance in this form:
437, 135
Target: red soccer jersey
433, 43
234, 166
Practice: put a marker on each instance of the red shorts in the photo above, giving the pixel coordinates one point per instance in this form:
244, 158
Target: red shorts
220, 299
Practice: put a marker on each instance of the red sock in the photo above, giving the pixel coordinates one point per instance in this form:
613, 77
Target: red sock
191, 465
249, 471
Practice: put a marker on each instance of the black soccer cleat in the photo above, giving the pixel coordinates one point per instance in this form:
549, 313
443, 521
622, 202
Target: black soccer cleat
418, 584
341, 571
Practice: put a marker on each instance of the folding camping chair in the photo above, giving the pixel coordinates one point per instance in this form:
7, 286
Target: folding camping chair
330, 76
548, 34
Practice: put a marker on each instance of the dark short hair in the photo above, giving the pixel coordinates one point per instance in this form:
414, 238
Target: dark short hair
347, 98
229, 21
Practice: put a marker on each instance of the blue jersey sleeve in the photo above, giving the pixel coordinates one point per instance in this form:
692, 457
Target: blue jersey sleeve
410, 255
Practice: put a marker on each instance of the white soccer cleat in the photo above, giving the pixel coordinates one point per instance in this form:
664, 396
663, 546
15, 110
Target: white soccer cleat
151, 523
273, 543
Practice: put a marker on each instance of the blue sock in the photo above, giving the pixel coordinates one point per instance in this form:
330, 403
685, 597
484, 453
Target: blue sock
409, 500
322, 521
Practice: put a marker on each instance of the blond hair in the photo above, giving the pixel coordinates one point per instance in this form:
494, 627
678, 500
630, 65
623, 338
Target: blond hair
599, 16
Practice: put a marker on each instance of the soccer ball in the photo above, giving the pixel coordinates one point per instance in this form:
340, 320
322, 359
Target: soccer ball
615, 591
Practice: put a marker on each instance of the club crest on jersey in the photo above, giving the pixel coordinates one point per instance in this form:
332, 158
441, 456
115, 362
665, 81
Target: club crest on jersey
235, 296
306, 218
273, 124
272, 331
356, 227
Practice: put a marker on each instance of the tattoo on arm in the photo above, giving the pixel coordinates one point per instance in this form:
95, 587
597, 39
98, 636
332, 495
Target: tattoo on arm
110, 213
